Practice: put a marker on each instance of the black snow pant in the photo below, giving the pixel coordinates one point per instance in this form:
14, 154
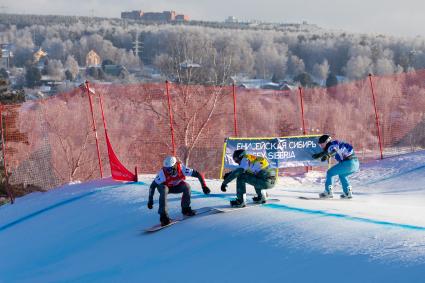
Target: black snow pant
163, 190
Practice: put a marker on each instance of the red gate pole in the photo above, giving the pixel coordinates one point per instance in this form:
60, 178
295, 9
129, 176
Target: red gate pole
104, 125
302, 114
235, 122
9, 193
376, 115
302, 109
170, 113
94, 129
103, 114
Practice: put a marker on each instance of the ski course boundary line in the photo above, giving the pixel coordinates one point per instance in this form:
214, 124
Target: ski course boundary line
333, 215
345, 216
272, 206
59, 204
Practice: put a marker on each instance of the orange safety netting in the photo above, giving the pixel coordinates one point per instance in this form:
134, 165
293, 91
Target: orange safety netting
52, 142
49, 142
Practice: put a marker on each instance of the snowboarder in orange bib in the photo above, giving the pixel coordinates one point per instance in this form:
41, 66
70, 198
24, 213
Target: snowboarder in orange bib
170, 179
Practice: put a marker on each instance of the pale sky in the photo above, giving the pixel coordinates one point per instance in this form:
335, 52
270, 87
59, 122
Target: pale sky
400, 18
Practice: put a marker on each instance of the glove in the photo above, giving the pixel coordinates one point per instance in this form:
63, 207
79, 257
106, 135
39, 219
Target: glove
317, 155
226, 175
325, 157
223, 187
206, 190
150, 204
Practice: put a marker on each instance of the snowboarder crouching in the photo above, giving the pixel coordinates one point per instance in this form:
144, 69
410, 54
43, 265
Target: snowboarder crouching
347, 164
170, 179
252, 170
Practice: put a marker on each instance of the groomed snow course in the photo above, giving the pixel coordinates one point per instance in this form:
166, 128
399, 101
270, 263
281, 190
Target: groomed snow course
93, 232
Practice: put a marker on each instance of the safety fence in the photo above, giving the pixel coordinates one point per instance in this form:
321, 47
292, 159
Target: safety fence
63, 139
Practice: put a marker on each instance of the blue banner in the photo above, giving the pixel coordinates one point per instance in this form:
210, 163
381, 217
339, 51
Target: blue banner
280, 152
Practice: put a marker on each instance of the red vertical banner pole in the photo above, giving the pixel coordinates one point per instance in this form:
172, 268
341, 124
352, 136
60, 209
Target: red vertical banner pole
376, 116
104, 125
3, 140
170, 114
235, 121
94, 128
302, 108
103, 113
300, 89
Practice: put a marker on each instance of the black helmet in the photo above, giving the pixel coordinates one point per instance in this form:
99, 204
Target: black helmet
238, 154
325, 139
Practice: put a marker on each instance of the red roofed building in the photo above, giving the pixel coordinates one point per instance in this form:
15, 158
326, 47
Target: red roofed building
165, 16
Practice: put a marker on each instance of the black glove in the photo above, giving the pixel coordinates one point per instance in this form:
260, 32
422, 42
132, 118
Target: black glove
206, 190
324, 157
223, 187
226, 175
150, 204
317, 155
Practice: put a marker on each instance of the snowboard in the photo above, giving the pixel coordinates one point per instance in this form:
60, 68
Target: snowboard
248, 205
318, 198
176, 220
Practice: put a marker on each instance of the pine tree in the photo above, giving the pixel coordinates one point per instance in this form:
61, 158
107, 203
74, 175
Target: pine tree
331, 80
304, 79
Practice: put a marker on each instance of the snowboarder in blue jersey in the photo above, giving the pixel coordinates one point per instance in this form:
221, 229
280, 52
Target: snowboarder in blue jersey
347, 164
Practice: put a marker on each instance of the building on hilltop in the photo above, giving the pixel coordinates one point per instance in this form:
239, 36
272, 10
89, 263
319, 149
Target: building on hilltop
231, 20
5, 54
37, 56
132, 15
182, 18
165, 16
115, 71
92, 59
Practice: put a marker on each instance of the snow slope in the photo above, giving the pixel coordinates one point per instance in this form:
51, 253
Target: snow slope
92, 232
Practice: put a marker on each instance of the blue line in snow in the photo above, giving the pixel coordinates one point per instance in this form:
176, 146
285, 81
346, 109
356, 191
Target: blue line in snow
335, 215
345, 216
38, 212
273, 206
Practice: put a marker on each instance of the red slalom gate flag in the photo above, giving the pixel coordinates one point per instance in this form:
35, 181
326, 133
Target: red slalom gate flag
118, 171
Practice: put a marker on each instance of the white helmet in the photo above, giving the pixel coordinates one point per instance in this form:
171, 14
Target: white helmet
169, 161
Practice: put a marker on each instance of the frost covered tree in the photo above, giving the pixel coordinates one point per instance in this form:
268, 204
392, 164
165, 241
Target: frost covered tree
55, 48
296, 65
358, 67
270, 60
72, 66
321, 71
32, 76
384, 66
277, 52
55, 70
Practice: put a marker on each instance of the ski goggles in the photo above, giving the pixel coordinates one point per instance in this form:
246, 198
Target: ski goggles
171, 170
